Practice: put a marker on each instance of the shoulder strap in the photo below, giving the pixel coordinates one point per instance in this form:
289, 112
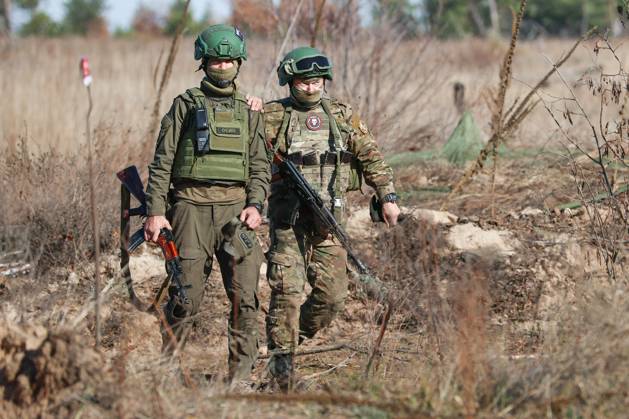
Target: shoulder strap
240, 106
239, 96
336, 133
197, 96
281, 135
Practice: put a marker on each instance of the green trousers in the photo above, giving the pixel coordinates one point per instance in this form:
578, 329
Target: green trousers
297, 255
198, 236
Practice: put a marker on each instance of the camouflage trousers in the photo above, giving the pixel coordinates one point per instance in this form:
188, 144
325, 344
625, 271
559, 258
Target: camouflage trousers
297, 255
197, 231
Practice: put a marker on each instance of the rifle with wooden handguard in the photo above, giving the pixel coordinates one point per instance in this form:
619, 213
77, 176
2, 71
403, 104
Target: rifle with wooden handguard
132, 185
310, 199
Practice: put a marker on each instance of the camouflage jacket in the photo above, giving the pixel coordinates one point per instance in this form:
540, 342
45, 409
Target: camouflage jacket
356, 136
173, 126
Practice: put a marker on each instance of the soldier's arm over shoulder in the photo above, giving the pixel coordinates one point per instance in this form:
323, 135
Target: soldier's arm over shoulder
161, 166
259, 166
377, 173
273, 117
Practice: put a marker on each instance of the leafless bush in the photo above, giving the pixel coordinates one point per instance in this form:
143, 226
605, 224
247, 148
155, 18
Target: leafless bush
378, 70
600, 167
254, 17
49, 193
146, 22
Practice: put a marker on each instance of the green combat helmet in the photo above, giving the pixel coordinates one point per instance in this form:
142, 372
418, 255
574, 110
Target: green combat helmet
304, 62
220, 41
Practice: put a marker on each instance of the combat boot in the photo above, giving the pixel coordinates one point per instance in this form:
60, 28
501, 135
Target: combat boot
281, 368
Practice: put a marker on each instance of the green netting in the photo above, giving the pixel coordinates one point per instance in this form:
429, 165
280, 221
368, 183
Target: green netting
465, 142
464, 145
407, 158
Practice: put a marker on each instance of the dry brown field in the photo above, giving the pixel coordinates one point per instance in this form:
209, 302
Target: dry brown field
509, 305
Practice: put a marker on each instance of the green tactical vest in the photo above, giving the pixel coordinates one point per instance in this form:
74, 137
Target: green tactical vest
228, 156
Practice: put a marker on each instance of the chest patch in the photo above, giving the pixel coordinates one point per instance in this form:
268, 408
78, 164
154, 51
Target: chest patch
313, 122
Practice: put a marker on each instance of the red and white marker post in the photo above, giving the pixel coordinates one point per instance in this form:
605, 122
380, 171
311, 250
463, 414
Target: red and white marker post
86, 74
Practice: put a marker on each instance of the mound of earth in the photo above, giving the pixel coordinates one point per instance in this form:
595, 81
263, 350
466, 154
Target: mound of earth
48, 371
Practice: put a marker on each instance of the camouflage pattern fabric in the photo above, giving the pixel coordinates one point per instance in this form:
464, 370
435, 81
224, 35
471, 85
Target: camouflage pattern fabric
303, 252
299, 254
356, 136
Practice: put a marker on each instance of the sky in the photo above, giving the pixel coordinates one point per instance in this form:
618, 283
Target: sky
120, 12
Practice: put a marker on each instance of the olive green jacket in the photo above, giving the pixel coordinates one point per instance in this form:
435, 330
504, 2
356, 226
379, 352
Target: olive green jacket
172, 127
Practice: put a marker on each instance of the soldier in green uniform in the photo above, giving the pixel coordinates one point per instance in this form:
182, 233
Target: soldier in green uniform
334, 151
211, 155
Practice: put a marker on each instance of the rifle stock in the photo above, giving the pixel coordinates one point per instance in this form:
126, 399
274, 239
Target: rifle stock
130, 178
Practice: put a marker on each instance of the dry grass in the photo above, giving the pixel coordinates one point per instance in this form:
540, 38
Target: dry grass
48, 104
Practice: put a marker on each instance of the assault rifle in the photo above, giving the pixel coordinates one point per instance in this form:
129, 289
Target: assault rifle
132, 184
309, 198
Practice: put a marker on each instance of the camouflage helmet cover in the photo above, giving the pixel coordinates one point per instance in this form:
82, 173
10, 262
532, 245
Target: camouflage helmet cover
220, 41
304, 62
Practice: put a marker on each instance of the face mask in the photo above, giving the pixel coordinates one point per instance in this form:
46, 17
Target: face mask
306, 98
222, 77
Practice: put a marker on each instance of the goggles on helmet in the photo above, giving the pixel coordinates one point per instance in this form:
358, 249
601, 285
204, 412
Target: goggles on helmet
308, 64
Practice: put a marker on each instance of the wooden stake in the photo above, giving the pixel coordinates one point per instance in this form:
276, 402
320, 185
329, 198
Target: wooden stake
94, 217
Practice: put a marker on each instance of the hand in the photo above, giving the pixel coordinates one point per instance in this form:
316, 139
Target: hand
255, 103
153, 225
391, 212
251, 217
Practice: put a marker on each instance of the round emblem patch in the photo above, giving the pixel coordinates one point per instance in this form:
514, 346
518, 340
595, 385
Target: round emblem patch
313, 122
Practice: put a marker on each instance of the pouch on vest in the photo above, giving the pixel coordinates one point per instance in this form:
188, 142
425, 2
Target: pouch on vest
239, 239
227, 155
226, 133
203, 130
355, 176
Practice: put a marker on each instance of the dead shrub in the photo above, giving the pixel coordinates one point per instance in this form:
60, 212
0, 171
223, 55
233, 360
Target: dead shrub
254, 17
49, 193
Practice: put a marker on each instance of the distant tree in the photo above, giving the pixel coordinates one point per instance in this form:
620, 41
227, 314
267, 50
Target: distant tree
146, 21
84, 16
447, 18
5, 17
403, 14
334, 17
254, 16
40, 24
5, 12
455, 18
568, 17
175, 15
27, 4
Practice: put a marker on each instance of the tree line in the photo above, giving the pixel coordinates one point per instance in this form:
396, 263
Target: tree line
442, 18
86, 17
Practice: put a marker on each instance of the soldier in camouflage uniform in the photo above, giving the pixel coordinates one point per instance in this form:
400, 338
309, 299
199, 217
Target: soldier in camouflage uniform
334, 151
211, 149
